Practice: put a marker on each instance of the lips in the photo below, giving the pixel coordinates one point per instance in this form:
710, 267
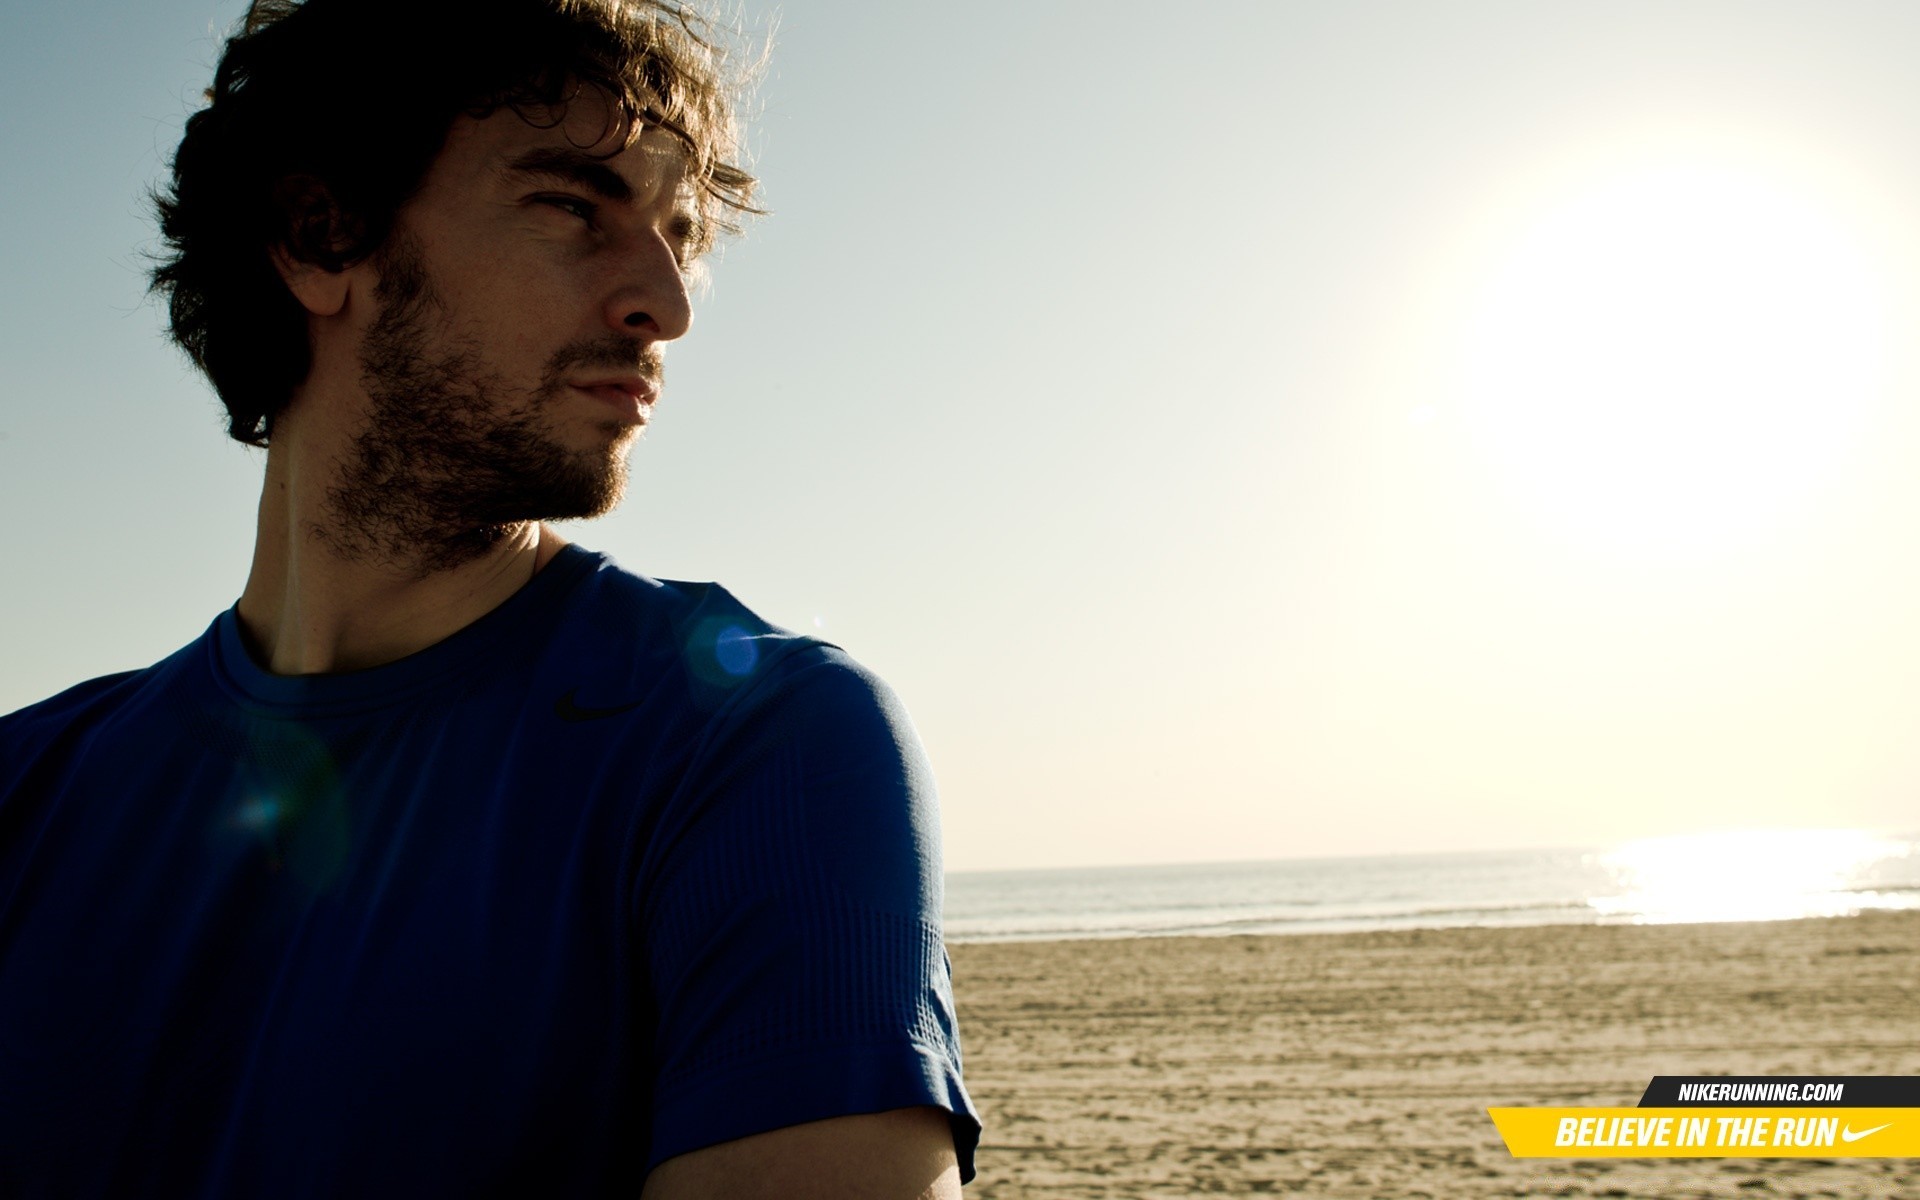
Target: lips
631, 398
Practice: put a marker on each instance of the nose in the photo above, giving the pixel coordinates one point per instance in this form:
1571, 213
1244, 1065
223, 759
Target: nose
650, 299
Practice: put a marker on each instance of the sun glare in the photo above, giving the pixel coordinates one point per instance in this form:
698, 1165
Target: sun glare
1755, 875
1673, 355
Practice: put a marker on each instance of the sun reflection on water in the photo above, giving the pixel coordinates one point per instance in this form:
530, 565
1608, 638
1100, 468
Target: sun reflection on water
1751, 875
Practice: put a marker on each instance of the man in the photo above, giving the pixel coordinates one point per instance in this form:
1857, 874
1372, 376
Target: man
453, 860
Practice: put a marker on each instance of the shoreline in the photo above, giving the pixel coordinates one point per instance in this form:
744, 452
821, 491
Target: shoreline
1516, 926
1361, 1063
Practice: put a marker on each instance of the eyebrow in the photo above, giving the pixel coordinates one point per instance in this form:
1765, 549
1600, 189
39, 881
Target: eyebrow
575, 166
589, 172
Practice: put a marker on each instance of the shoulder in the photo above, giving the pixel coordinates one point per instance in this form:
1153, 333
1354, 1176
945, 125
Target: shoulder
740, 718
29, 734
80, 704
727, 663
773, 746
60, 707
699, 619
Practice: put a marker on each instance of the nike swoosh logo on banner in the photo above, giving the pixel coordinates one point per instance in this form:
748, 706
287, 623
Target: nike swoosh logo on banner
1848, 1135
567, 710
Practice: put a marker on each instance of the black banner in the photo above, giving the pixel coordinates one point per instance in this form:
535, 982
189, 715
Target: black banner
1750, 1091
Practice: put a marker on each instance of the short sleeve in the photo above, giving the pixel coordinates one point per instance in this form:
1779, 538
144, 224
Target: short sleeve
790, 898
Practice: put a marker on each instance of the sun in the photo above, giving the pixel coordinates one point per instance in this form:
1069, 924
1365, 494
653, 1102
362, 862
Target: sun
1672, 356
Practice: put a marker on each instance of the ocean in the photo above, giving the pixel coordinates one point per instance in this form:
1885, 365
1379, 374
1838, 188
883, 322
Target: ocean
1741, 876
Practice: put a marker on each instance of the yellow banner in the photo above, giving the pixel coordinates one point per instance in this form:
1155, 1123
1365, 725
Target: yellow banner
1795, 1132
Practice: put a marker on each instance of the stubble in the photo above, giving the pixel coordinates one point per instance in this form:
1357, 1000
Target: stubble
453, 460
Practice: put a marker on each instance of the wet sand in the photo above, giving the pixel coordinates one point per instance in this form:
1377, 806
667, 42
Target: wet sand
1361, 1065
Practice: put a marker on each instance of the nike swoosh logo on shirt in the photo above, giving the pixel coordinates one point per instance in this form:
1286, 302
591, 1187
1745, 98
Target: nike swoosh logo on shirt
1848, 1135
567, 710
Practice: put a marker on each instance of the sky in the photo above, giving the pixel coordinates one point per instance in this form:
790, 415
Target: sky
1248, 431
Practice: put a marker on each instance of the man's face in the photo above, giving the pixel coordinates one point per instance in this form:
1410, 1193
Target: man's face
514, 352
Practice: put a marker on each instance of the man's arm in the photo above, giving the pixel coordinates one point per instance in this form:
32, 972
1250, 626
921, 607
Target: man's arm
906, 1154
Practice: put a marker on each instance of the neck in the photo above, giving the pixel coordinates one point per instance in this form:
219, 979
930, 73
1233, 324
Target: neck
323, 598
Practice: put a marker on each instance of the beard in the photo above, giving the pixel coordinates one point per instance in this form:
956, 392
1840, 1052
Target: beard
453, 460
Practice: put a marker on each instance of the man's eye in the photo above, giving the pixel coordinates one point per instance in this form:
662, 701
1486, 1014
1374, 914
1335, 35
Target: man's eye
571, 205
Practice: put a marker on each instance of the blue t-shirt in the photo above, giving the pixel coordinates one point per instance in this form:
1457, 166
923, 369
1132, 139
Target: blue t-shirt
616, 872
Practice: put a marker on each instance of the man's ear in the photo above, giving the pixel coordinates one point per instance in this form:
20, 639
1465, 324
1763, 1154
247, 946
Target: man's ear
321, 292
311, 255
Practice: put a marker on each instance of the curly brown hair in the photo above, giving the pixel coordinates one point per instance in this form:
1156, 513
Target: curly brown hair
324, 116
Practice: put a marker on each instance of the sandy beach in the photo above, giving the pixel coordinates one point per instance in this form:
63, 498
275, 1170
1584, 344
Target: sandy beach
1361, 1065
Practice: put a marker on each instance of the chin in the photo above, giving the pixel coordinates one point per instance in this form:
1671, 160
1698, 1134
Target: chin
594, 489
